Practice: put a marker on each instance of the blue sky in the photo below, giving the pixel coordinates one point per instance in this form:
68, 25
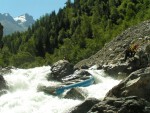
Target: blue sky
36, 8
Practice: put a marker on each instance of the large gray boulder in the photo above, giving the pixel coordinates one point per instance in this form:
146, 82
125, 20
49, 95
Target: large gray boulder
75, 93
136, 84
130, 104
60, 69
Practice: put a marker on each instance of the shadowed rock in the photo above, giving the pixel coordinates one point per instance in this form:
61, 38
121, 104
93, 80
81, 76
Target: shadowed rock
85, 106
130, 104
136, 84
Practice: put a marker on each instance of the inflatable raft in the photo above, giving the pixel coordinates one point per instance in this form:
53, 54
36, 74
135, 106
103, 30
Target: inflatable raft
82, 82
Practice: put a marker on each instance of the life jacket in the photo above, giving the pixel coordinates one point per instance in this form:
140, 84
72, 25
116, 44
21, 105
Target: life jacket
134, 47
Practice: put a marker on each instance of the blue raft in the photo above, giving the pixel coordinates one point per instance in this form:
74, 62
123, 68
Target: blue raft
83, 82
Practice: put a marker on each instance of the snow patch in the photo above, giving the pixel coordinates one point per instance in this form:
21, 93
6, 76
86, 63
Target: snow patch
21, 18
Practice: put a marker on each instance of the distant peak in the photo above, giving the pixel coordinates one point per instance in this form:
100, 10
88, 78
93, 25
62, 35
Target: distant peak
6, 14
20, 18
24, 19
24, 15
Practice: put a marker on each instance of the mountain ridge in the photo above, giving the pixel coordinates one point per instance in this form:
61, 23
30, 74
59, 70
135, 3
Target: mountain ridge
15, 24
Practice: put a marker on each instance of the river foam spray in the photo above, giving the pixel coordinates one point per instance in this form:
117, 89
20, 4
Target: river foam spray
23, 96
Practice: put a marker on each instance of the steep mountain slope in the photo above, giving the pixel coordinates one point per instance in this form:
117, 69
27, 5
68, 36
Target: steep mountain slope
15, 24
113, 52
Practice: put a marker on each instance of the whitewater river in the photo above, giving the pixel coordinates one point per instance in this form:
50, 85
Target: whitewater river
24, 98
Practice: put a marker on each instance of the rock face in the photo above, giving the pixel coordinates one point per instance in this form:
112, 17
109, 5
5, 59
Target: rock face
111, 56
140, 60
136, 84
130, 104
61, 69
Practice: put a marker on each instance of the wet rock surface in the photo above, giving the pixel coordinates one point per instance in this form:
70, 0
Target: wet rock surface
60, 69
75, 93
3, 85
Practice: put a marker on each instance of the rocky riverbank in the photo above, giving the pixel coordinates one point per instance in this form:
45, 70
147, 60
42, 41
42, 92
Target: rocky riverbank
131, 95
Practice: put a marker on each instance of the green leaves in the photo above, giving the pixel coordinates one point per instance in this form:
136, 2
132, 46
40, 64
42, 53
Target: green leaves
21, 58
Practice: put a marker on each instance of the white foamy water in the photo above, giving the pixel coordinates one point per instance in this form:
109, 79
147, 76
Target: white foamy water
23, 97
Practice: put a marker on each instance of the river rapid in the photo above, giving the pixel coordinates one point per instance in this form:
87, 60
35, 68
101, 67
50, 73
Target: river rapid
23, 97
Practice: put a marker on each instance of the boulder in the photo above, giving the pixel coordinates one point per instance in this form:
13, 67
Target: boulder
130, 104
60, 69
47, 89
115, 69
75, 93
136, 84
85, 106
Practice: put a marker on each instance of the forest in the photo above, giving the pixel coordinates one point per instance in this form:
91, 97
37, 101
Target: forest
75, 32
